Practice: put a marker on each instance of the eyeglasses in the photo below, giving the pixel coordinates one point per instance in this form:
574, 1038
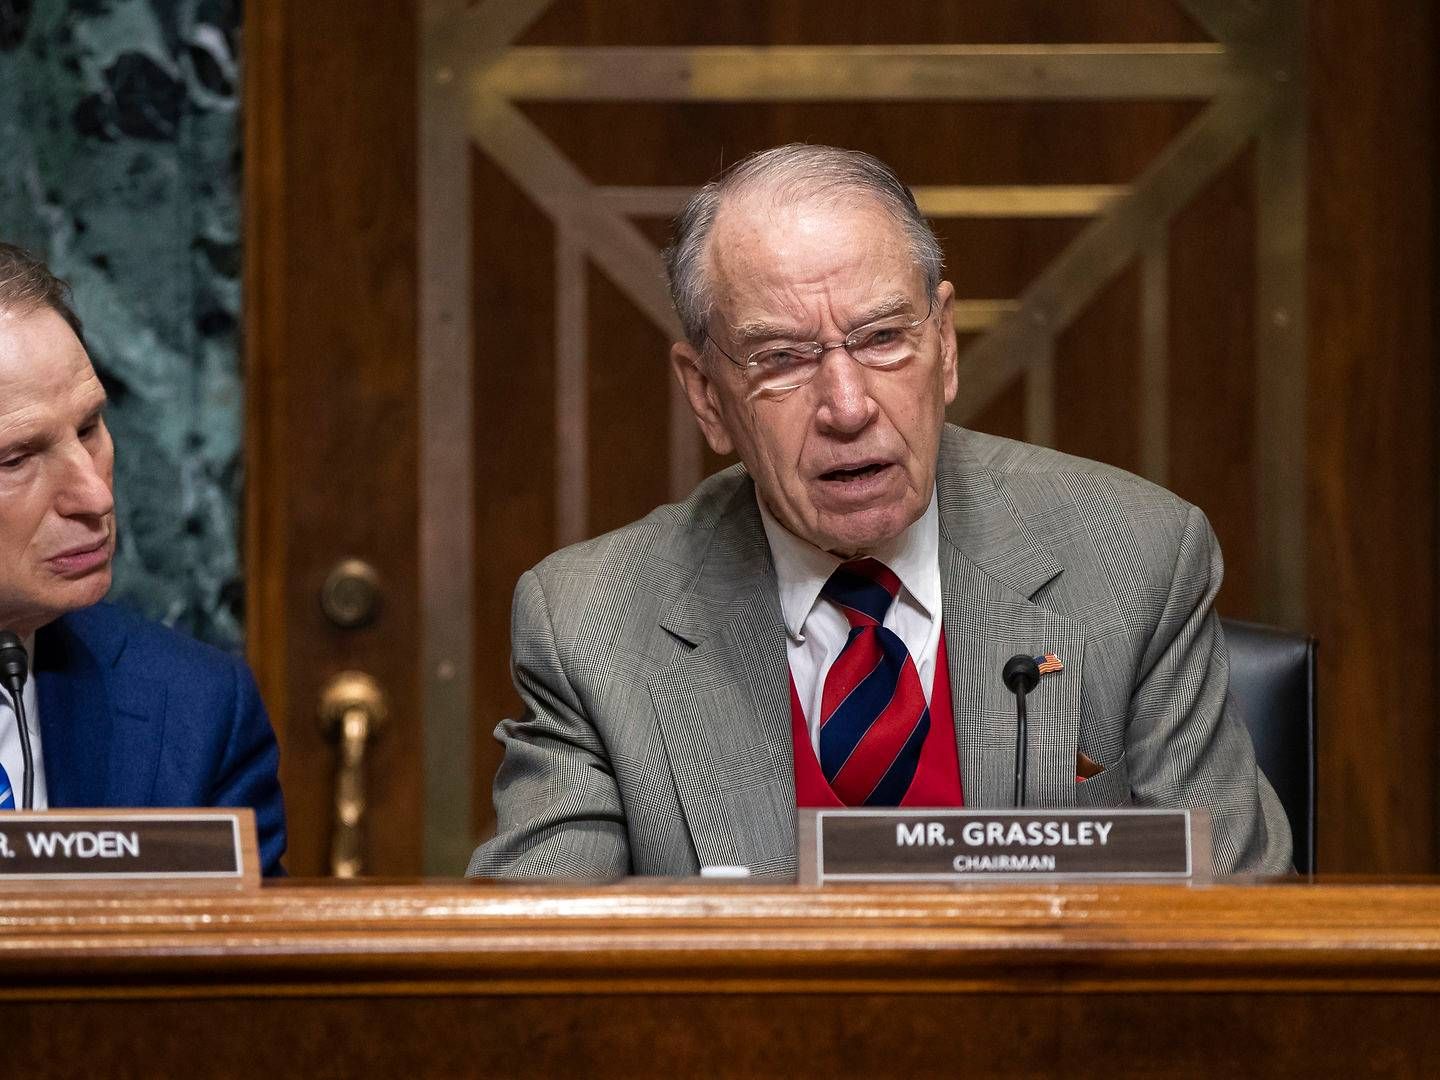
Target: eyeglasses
884, 343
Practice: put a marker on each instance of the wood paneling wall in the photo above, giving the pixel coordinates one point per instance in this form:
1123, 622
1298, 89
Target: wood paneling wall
1372, 428
332, 281
331, 432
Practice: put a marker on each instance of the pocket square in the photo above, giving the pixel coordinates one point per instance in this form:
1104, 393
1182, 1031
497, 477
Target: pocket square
1085, 768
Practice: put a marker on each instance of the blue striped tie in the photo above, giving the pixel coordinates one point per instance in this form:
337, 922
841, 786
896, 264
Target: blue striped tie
873, 714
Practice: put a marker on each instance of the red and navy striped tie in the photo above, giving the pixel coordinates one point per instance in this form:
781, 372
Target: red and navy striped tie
873, 714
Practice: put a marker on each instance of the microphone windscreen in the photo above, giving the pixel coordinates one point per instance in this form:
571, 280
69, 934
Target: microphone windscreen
14, 661
1021, 673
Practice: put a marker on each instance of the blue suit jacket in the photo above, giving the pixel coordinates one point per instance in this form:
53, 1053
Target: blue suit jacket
133, 714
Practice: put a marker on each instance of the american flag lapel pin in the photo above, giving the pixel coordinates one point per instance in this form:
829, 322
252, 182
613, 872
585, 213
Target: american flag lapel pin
1049, 664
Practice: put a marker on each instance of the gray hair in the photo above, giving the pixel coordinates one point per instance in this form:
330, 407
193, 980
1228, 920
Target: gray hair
795, 171
26, 285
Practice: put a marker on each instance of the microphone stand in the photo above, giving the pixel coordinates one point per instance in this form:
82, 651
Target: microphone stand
1020, 675
14, 667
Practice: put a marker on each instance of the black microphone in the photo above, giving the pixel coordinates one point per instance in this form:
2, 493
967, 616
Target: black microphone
14, 667
1021, 674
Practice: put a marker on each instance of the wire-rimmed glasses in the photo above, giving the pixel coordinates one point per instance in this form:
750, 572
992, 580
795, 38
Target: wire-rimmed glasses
884, 343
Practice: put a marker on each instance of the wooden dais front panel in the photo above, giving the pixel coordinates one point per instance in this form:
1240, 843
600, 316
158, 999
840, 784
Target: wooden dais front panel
676, 979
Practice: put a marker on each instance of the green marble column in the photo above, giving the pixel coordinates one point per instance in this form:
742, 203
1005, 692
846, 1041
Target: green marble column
119, 146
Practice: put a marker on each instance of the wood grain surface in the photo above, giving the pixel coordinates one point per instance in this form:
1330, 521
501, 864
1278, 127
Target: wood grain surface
1372, 450
686, 979
644, 938
331, 420
733, 1035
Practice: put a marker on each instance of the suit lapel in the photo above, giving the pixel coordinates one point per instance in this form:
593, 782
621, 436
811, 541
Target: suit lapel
75, 739
100, 736
723, 704
138, 721
991, 567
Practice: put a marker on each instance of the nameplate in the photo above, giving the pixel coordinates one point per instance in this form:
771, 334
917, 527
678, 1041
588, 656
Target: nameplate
212, 846
855, 845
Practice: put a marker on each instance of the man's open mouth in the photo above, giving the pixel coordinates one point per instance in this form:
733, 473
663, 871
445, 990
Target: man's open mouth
860, 472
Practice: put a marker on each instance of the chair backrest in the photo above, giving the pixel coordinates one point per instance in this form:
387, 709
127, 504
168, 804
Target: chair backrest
1272, 682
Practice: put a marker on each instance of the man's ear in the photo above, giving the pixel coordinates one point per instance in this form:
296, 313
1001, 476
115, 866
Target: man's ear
949, 351
703, 395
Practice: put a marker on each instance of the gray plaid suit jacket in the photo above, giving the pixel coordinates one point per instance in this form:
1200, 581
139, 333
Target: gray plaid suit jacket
656, 734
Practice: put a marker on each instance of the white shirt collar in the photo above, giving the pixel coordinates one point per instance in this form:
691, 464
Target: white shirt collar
802, 569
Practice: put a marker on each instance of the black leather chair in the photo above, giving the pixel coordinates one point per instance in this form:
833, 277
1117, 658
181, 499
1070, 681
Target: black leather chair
1272, 681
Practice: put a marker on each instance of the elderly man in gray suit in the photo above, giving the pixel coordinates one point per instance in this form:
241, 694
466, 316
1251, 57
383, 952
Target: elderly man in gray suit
825, 623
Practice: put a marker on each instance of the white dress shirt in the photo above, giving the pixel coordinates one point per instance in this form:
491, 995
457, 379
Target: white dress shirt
10, 755
816, 629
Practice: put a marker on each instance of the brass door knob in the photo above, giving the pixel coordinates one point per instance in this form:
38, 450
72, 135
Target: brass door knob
350, 596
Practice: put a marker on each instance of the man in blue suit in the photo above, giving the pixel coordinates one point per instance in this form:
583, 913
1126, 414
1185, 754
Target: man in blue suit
125, 712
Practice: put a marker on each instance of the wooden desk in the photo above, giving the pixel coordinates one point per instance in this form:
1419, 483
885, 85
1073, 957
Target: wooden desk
682, 979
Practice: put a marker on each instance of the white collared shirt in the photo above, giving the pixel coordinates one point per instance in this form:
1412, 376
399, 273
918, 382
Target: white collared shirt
10, 755
816, 629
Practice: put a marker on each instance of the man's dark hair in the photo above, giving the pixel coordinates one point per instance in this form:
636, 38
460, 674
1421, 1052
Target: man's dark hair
26, 285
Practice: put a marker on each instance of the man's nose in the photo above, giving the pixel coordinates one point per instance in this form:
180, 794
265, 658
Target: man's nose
844, 389
85, 489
